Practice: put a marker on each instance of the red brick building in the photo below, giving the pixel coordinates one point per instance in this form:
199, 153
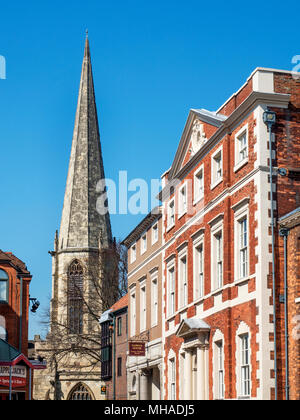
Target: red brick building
290, 260
14, 307
114, 343
218, 300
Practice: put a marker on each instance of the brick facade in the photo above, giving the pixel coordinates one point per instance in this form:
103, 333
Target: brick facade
13, 313
217, 272
244, 303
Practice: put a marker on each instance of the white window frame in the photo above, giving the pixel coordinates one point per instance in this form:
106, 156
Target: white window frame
171, 213
198, 272
133, 253
218, 366
143, 243
143, 305
133, 312
154, 301
182, 280
245, 365
198, 185
241, 366
5, 283
241, 213
220, 369
172, 376
241, 161
155, 233
215, 180
171, 290
217, 257
182, 200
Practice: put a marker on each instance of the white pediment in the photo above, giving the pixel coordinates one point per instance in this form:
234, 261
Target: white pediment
190, 326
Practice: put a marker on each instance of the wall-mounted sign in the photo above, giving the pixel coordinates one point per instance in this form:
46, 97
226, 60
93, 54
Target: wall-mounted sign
136, 348
18, 376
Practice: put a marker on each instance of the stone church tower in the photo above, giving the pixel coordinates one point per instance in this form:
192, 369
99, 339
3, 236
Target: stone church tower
81, 255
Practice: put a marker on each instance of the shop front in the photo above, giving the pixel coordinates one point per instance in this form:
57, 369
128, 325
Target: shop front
15, 373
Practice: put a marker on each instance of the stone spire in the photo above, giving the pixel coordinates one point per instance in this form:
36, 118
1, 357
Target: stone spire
81, 224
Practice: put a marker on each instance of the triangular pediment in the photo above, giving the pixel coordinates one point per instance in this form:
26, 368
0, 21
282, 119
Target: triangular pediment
199, 127
190, 326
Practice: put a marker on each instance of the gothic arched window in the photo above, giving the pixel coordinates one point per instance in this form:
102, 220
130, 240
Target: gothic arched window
80, 392
75, 298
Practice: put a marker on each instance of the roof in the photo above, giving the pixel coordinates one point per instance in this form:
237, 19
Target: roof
210, 117
105, 316
10, 356
154, 215
7, 352
121, 303
19, 265
290, 219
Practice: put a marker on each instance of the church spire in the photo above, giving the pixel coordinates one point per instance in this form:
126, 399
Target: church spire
81, 224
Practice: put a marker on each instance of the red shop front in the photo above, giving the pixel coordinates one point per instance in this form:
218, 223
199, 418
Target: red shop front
15, 374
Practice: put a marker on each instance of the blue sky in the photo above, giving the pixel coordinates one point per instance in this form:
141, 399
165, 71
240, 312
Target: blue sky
152, 62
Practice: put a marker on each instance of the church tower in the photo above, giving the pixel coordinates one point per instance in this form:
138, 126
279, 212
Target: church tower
82, 255
83, 231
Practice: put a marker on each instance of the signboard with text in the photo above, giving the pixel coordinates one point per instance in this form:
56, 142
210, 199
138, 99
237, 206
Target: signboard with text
18, 379
136, 348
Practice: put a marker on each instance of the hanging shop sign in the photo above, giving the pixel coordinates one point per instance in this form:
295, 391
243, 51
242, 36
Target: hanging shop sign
136, 348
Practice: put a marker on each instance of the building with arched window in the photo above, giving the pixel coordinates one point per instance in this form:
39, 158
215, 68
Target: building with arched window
83, 282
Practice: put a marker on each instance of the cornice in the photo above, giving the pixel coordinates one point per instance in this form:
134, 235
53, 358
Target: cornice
277, 100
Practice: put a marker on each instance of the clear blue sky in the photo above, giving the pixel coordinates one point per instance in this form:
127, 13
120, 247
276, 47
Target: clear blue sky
152, 62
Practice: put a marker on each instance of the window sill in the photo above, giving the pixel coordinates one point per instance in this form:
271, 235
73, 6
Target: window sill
181, 214
170, 227
196, 200
240, 164
242, 280
212, 186
171, 317
217, 291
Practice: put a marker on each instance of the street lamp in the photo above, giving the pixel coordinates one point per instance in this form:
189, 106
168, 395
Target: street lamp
269, 118
35, 304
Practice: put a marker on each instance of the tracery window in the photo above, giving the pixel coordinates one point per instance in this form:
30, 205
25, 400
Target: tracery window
75, 298
80, 392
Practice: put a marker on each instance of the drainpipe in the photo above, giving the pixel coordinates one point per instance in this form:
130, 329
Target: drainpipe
269, 119
21, 313
284, 233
